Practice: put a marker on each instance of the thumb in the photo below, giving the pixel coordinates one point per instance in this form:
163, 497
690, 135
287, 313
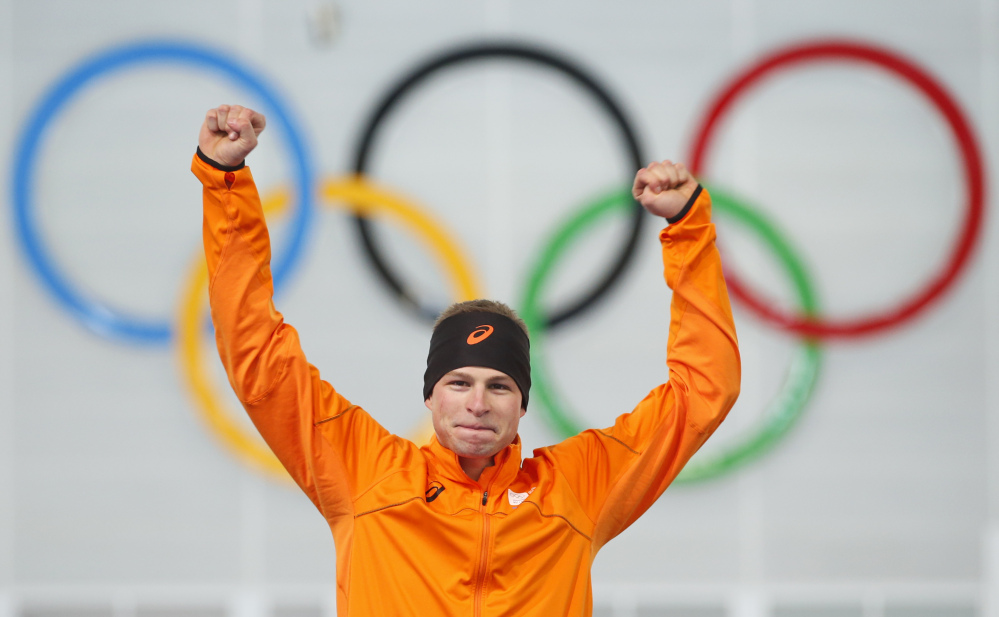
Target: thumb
242, 136
240, 129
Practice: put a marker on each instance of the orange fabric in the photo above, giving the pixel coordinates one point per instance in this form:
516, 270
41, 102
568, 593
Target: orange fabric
414, 535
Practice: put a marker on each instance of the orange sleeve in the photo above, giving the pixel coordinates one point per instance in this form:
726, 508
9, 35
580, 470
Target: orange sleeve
617, 473
333, 450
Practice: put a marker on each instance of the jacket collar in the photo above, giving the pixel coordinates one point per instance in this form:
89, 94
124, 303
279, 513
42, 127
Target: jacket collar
507, 464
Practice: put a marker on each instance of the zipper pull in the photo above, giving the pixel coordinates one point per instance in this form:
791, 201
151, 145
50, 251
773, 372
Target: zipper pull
485, 496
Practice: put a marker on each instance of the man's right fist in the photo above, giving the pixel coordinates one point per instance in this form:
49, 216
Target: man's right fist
229, 133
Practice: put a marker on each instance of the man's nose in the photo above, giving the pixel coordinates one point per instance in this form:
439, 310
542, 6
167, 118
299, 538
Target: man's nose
477, 403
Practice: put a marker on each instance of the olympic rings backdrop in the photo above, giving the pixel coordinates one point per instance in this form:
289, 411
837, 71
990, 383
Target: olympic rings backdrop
789, 402
379, 219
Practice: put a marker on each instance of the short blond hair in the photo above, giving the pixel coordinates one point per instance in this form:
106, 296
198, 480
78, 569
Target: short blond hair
482, 306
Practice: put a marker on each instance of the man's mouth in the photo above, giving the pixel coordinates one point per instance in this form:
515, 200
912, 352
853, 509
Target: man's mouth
475, 427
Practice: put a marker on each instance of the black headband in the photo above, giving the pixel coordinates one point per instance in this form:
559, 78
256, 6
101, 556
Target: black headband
479, 339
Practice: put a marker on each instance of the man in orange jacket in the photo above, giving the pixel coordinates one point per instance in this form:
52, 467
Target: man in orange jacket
463, 525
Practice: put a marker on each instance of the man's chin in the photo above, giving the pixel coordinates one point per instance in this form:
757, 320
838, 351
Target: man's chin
473, 449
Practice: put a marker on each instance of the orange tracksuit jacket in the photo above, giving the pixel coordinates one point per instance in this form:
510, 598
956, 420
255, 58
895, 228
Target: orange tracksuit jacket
414, 535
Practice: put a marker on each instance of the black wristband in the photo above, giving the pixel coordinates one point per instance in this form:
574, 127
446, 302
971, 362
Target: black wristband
686, 207
220, 166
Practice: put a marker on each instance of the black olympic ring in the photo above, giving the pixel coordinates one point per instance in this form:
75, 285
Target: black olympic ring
507, 51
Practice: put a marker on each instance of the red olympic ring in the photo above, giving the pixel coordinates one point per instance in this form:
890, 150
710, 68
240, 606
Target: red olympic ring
970, 157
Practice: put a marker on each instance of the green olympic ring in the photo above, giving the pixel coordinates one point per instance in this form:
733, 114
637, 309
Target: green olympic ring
782, 412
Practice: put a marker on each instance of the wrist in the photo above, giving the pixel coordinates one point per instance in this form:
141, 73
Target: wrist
220, 166
686, 207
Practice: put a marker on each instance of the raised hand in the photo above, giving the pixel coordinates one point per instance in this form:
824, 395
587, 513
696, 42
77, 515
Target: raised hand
663, 188
229, 133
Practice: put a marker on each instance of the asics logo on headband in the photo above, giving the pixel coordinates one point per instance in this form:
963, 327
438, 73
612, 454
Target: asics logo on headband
479, 334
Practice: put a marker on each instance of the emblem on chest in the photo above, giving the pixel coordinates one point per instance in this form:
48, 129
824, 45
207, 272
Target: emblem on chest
434, 491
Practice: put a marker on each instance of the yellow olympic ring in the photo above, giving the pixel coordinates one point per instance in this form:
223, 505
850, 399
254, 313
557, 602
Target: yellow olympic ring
355, 195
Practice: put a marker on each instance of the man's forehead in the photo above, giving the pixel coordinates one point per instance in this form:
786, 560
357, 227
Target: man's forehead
480, 372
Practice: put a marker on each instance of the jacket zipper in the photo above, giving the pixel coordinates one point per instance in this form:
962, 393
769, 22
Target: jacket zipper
483, 552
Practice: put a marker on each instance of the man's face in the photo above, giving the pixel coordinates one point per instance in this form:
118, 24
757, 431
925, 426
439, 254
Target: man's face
476, 411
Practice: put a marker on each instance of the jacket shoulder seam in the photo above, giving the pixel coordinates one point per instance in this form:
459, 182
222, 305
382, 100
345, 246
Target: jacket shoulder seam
375, 483
567, 521
385, 507
609, 436
324, 420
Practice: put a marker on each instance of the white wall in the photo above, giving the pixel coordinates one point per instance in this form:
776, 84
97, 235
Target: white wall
882, 500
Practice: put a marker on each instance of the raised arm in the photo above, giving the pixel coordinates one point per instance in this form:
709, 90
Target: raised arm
331, 448
618, 472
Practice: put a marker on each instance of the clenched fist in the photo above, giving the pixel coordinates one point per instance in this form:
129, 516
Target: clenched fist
663, 188
229, 133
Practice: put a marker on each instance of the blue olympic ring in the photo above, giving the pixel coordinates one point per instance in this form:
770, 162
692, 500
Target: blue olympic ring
98, 317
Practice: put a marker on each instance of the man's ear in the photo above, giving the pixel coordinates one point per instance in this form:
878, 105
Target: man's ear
427, 403
523, 411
